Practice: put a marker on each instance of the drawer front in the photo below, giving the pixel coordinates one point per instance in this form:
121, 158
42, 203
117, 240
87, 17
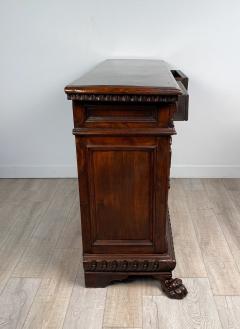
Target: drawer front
127, 188
181, 113
113, 115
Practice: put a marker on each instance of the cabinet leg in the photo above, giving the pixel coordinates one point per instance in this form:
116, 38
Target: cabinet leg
173, 288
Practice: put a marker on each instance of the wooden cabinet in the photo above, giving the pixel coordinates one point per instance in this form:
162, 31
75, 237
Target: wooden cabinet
123, 114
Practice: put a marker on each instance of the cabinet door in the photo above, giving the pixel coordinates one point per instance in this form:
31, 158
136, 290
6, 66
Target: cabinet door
123, 192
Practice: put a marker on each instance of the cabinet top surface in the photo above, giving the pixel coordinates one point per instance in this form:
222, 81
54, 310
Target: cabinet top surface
127, 76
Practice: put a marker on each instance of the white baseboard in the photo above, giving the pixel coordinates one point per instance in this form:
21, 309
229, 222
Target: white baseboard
54, 171
205, 171
177, 171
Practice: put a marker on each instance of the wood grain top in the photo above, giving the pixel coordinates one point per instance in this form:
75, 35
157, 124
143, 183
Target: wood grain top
127, 76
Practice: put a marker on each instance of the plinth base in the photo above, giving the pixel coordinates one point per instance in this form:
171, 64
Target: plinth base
100, 269
173, 288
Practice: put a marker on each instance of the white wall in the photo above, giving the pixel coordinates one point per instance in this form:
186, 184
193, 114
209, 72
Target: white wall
47, 44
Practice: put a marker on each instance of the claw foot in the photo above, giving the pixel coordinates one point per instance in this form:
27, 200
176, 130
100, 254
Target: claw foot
174, 288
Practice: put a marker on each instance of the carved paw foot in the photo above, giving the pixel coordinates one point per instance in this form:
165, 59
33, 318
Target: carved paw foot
174, 288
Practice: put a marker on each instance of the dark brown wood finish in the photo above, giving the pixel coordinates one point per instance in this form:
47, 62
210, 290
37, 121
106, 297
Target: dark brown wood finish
127, 76
123, 114
182, 104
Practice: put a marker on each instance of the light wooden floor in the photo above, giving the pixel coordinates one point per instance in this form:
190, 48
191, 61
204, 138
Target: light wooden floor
41, 276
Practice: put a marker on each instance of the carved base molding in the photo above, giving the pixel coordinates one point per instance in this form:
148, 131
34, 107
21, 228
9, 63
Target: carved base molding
126, 265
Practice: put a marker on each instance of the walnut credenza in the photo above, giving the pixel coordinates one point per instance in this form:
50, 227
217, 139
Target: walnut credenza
124, 112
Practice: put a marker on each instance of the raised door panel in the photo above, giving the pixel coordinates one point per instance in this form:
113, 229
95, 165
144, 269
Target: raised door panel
125, 194
121, 192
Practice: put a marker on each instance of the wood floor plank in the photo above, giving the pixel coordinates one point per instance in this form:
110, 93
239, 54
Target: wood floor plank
16, 300
221, 267
14, 239
186, 255
23, 220
231, 184
123, 305
86, 306
58, 211
71, 236
34, 190
17, 222
51, 301
194, 194
44, 238
210, 236
235, 198
149, 287
213, 189
4, 277
9, 214
20, 218
186, 246
218, 259
228, 215
229, 311
197, 310
229, 221
10, 253
40, 189
10, 189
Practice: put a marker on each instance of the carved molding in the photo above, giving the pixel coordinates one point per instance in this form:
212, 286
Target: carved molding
123, 266
122, 98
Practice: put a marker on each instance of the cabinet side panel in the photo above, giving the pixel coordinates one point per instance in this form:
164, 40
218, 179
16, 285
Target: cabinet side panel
121, 193
83, 184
